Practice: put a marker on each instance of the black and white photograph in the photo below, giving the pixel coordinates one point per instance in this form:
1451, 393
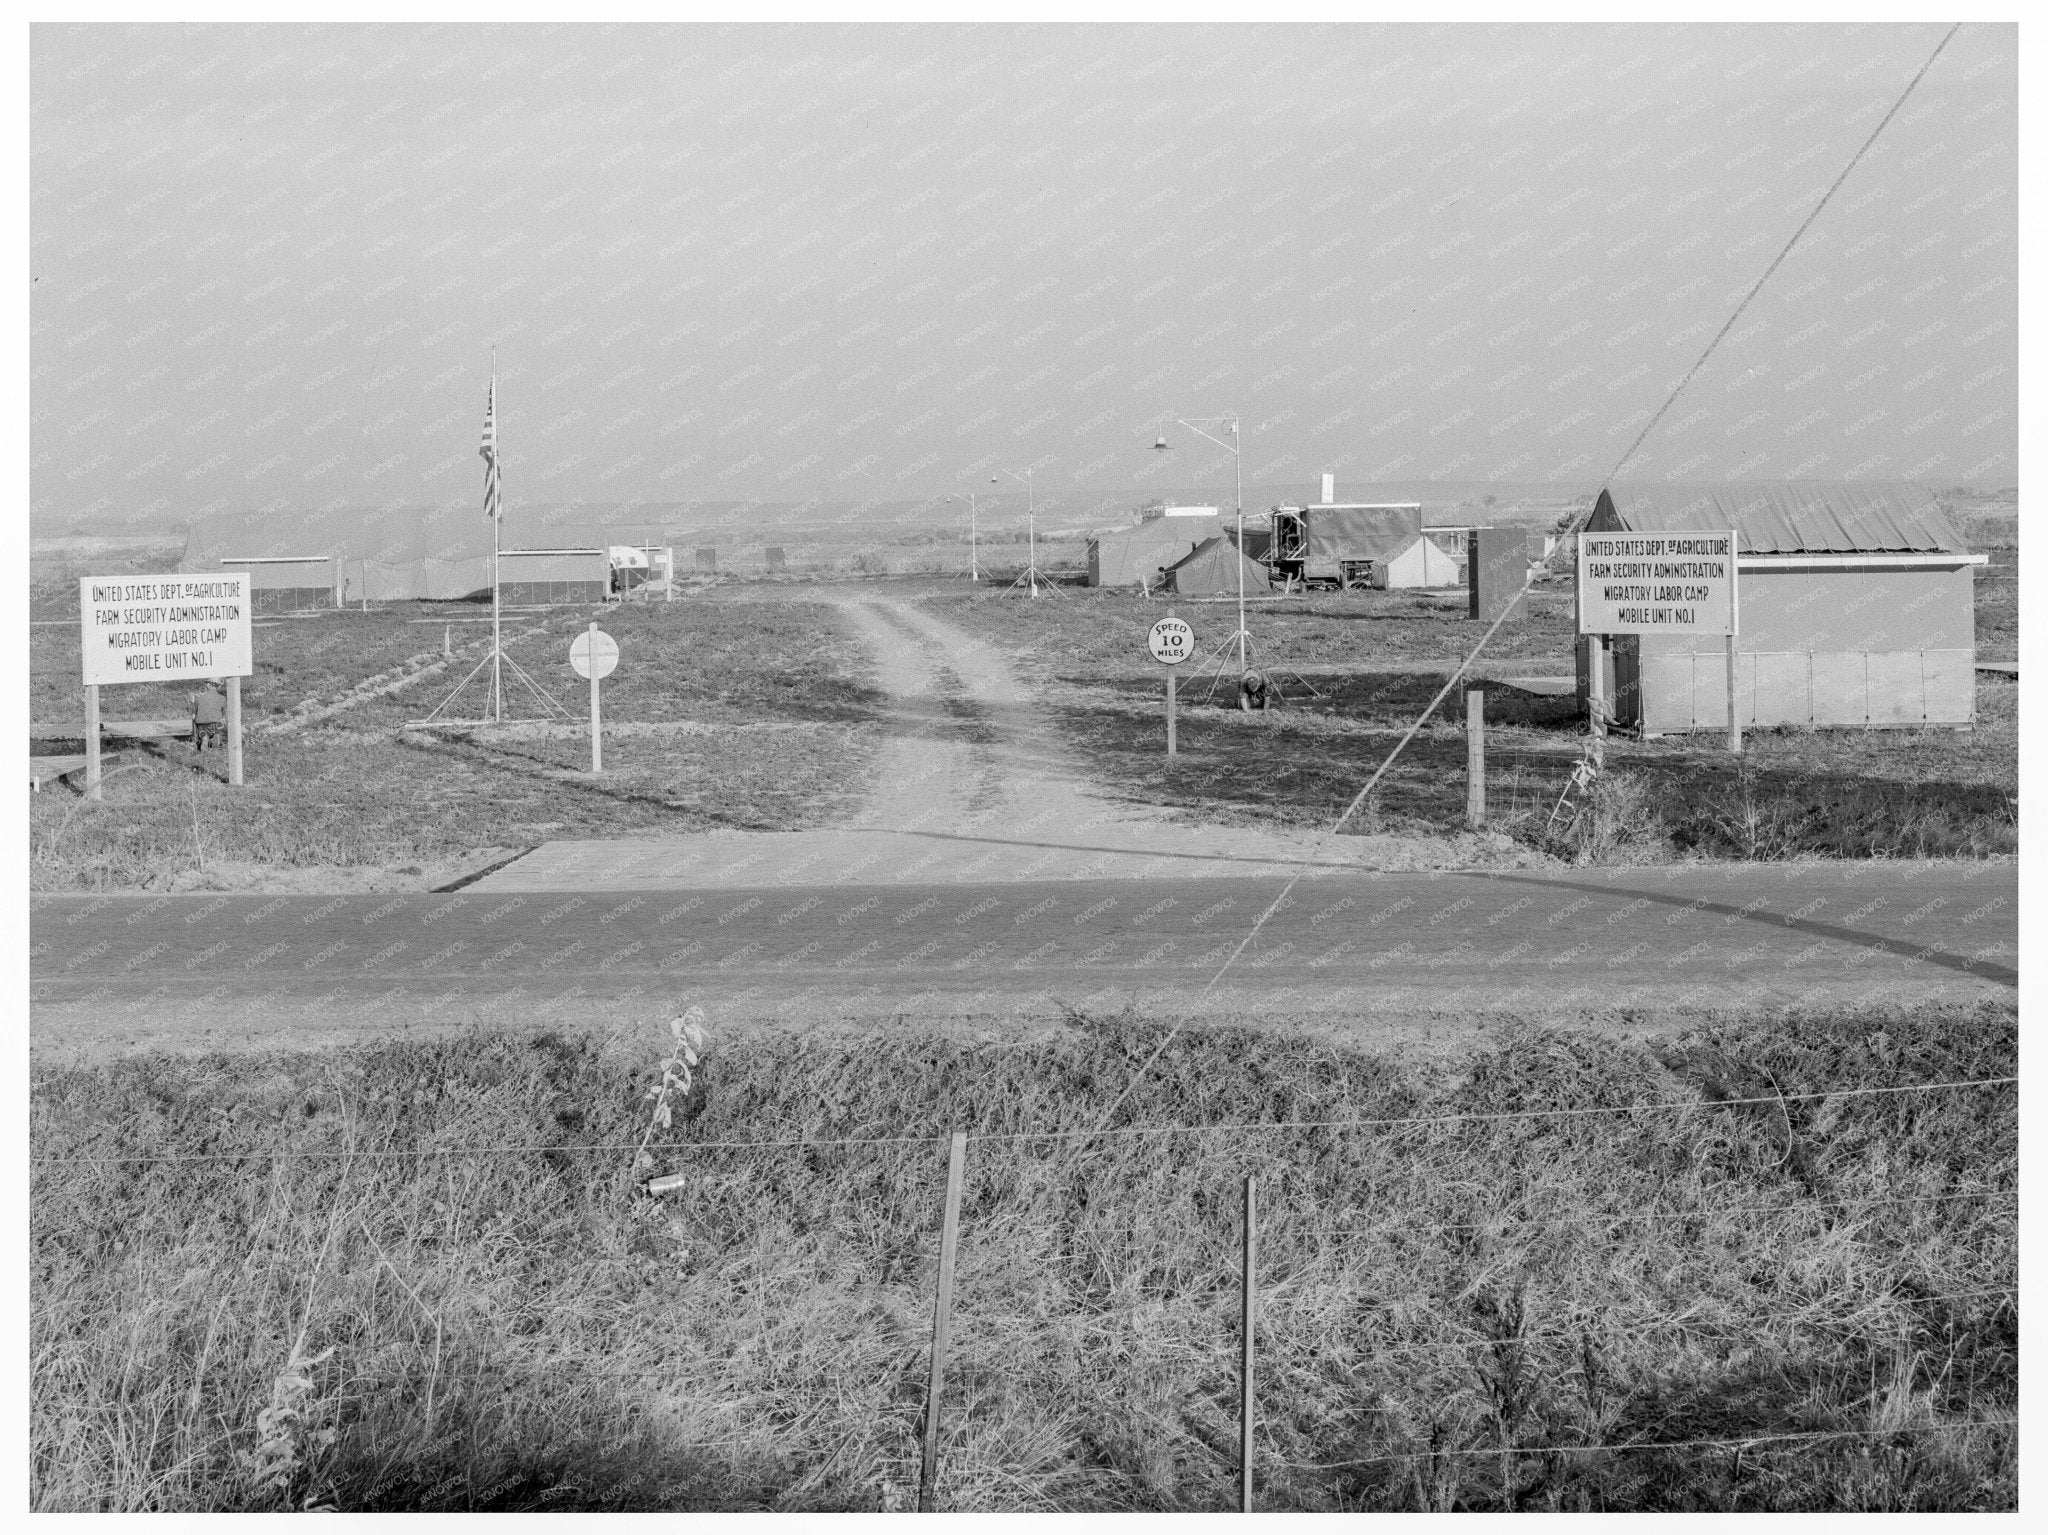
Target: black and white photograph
1084, 763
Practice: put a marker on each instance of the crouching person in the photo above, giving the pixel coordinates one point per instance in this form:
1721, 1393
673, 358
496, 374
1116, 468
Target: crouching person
1255, 690
209, 715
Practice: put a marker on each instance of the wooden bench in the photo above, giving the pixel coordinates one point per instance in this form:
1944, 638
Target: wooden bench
146, 730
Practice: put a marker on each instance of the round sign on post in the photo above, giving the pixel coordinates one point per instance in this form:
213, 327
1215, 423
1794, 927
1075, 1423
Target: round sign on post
594, 654
1172, 641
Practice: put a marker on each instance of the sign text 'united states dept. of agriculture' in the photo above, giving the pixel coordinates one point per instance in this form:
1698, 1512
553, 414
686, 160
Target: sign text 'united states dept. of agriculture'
164, 628
1657, 583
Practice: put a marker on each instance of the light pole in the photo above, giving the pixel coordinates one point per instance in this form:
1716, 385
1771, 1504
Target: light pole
973, 537
1031, 527
1229, 424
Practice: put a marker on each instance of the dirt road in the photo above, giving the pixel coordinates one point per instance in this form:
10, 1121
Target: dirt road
1387, 957
973, 783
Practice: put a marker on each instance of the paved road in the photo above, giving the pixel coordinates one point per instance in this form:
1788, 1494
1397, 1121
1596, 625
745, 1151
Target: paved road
1352, 951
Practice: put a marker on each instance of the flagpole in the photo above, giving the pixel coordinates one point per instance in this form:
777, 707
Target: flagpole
497, 521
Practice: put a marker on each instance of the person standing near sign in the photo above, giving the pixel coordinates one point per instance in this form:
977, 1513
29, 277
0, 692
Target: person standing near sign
209, 715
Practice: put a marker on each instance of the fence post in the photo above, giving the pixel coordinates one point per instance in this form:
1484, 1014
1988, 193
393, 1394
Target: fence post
1475, 758
942, 1323
1244, 1378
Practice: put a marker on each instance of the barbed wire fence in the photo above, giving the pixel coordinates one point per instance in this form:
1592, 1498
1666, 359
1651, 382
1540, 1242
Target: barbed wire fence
1440, 1335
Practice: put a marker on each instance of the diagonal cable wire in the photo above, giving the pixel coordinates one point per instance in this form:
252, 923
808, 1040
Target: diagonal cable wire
1542, 568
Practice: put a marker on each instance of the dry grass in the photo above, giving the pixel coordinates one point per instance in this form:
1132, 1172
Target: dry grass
357, 791
1797, 793
1444, 1308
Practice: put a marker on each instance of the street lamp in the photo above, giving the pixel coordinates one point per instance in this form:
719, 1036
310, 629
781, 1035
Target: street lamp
973, 536
1031, 529
1227, 424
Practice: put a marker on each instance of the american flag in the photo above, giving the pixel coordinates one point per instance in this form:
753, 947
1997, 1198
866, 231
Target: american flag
489, 450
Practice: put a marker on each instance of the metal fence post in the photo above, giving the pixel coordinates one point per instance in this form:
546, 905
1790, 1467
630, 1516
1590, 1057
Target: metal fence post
942, 1323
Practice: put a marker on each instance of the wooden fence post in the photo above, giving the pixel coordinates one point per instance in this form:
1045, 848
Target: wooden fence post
942, 1323
1249, 1288
1475, 758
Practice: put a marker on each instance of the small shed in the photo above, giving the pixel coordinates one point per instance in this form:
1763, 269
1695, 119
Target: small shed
538, 577
1856, 608
289, 582
1212, 569
1132, 556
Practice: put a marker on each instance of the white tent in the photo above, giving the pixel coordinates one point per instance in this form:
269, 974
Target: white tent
1423, 563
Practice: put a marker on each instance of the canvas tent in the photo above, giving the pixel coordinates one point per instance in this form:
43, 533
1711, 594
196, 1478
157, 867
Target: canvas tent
1423, 563
1133, 556
1211, 569
1857, 607
283, 583
396, 553
535, 577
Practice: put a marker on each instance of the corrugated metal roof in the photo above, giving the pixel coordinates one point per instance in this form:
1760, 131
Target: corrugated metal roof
1789, 517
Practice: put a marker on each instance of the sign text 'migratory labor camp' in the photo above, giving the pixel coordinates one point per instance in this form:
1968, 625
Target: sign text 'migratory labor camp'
1657, 583
164, 628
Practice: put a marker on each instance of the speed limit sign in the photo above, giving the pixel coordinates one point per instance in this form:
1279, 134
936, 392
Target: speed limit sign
1172, 641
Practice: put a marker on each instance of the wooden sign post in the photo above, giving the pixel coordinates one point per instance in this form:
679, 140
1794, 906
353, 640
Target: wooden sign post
1171, 642
92, 740
595, 655
1734, 626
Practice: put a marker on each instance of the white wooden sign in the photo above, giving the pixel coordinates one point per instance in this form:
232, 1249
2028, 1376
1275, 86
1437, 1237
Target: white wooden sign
164, 628
1657, 583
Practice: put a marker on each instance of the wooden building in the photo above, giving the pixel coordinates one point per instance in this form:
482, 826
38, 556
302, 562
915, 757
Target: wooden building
1857, 608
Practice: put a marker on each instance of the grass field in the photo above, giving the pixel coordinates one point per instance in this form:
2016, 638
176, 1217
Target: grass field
422, 1276
359, 792
1836, 793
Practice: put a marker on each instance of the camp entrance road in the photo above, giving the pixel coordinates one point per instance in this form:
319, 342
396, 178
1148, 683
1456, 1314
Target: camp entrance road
116, 973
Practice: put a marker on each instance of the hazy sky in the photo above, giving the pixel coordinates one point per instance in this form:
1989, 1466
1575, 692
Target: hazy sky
863, 261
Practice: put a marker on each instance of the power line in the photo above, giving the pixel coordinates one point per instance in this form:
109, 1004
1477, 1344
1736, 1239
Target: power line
1541, 568
1238, 1128
1836, 186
